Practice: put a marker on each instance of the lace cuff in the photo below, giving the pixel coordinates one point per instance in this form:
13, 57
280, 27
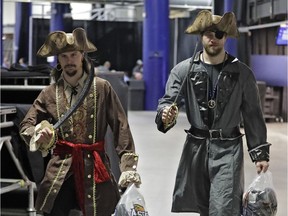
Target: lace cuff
129, 162
35, 145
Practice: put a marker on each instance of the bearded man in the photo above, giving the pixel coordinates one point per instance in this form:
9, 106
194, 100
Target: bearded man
217, 89
78, 177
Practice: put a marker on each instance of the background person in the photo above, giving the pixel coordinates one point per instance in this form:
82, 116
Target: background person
104, 68
137, 71
22, 62
6, 63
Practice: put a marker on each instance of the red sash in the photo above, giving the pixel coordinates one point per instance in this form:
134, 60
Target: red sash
100, 172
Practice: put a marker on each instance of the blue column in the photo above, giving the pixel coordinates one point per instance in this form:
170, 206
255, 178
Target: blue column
155, 50
57, 17
1, 31
231, 44
57, 21
21, 35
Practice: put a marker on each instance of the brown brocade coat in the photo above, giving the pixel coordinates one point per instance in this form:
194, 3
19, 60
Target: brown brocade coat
88, 125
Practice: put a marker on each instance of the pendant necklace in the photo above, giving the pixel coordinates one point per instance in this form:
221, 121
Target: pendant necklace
212, 91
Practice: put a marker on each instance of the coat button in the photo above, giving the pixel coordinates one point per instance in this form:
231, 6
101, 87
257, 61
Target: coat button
88, 155
90, 136
89, 176
89, 196
54, 191
92, 116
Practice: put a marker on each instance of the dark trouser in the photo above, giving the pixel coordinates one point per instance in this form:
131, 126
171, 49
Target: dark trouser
66, 203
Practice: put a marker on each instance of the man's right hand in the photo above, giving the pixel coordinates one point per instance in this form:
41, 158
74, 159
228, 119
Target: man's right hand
169, 114
44, 136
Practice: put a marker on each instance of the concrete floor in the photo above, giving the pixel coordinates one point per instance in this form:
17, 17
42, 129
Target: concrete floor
160, 154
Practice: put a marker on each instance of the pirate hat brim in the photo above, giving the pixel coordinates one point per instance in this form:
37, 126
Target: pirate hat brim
205, 20
59, 42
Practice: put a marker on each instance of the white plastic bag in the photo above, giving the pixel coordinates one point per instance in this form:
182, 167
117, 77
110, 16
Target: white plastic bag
131, 203
260, 197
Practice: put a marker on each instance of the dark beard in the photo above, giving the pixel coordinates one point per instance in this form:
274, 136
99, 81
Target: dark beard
71, 73
212, 52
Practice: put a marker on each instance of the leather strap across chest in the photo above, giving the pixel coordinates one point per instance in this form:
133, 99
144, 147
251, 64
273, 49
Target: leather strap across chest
82, 96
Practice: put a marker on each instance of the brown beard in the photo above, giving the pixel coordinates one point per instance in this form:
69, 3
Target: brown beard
70, 72
212, 52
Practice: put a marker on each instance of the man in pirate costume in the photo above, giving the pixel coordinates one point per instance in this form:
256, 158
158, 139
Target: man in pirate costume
78, 175
217, 89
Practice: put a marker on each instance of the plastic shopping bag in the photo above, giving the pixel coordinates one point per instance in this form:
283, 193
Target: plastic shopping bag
131, 203
260, 198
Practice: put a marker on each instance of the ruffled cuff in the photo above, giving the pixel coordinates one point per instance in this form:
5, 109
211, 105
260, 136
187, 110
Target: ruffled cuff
34, 133
129, 162
27, 134
260, 153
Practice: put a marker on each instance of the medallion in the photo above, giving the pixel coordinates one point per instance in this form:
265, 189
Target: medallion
211, 104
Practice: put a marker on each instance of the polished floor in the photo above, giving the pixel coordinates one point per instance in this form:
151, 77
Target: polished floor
160, 153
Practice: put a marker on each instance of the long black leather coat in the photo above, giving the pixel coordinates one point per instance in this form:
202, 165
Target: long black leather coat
210, 173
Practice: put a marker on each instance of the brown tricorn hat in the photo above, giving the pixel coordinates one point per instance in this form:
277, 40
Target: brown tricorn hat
59, 42
205, 20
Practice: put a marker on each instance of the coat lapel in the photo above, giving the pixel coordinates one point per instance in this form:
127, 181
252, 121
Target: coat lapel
226, 86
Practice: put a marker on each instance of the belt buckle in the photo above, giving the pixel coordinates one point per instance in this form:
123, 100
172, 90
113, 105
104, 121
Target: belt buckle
215, 134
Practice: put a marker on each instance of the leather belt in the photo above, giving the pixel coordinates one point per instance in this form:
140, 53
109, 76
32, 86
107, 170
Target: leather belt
215, 133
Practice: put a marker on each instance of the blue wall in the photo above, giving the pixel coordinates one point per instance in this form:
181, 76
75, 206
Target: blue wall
271, 69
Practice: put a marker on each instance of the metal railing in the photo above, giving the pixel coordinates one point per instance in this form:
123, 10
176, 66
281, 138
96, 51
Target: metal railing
15, 184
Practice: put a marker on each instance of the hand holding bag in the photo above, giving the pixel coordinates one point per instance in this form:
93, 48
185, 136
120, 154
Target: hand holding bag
131, 203
260, 198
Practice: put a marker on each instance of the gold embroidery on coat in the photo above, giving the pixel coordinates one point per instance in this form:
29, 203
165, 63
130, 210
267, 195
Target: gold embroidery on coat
54, 181
79, 130
94, 140
58, 108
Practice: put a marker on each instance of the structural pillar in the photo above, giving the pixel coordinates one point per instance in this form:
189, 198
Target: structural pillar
57, 21
57, 17
231, 44
22, 25
155, 50
1, 32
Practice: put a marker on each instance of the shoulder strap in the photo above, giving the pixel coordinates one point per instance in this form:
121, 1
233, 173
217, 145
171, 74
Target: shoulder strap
80, 99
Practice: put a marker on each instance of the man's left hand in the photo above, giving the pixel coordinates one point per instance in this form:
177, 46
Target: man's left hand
129, 177
262, 166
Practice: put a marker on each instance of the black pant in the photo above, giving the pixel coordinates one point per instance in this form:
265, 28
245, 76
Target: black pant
66, 200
